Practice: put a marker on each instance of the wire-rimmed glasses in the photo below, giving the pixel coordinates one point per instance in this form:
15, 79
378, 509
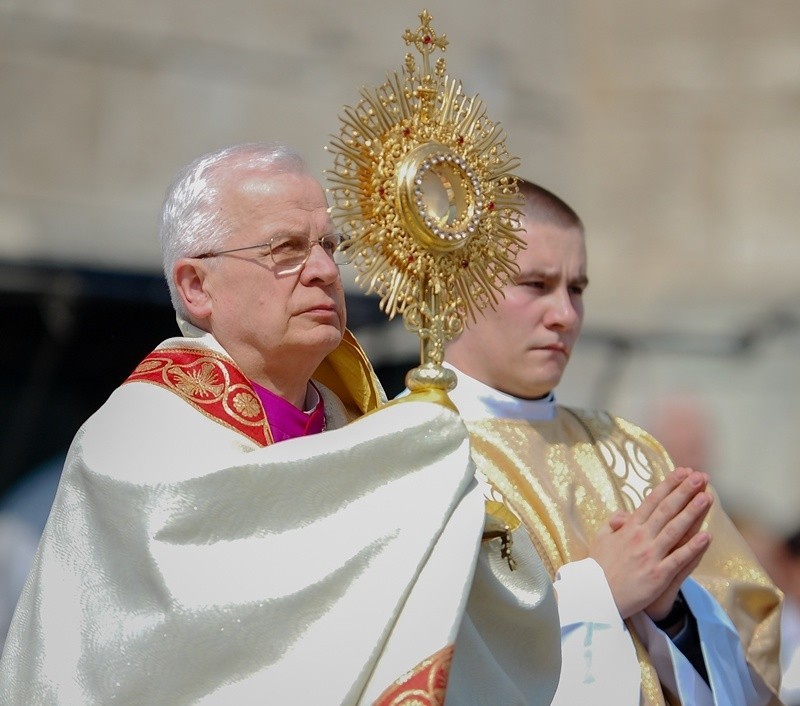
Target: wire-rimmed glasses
290, 251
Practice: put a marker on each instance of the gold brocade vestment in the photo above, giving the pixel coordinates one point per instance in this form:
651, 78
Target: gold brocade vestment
563, 478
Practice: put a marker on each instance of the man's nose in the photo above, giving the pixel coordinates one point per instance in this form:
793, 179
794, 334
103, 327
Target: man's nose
562, 312
320, 264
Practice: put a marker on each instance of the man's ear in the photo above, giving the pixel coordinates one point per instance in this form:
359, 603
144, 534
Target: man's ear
190, 281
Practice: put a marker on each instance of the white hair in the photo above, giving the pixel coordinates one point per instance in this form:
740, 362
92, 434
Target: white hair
193, 220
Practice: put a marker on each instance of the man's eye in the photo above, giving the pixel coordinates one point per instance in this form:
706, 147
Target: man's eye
288, 246
330, 243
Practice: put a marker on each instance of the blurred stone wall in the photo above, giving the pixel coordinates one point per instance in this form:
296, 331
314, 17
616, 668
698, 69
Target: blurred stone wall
673, 128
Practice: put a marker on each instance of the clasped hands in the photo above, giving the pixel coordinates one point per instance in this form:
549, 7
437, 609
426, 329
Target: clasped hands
646, 554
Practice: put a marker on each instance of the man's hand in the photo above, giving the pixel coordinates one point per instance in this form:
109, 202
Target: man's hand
647, 554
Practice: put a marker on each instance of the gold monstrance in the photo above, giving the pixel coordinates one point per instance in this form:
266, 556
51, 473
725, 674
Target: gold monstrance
423, 193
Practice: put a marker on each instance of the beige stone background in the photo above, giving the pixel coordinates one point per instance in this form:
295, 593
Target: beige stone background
673, 128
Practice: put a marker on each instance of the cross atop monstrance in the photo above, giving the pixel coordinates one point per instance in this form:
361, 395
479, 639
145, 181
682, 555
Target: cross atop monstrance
423, 192
425, 39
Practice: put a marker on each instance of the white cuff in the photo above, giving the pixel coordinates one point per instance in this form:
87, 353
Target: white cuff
584, 596
599, 663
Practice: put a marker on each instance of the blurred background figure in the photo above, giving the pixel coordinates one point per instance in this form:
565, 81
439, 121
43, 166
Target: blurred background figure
789, 549
684, 424
779, 554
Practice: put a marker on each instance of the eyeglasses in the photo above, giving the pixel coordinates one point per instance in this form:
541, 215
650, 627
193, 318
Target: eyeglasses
290, 251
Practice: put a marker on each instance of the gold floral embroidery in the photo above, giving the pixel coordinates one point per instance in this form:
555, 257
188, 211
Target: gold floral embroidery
212, 384
146, 365
246, 405
198, 383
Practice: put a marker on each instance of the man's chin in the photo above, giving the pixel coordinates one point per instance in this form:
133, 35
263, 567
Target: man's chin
327, 337
540, 383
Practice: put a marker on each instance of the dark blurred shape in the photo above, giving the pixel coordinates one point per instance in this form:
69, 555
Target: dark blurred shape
72, 335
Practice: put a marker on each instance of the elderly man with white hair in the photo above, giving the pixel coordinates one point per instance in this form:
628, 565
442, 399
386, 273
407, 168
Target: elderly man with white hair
208, 543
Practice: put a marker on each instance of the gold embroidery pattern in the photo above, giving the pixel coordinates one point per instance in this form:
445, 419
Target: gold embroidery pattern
629, 460
146, 365
246, 404
202, 382
212, 384
564, 478
425, 685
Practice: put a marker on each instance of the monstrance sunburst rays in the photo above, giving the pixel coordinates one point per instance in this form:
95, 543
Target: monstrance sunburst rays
423, 192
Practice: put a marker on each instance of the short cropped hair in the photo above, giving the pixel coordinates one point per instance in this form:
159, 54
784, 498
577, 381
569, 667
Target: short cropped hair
193, 217
544, 206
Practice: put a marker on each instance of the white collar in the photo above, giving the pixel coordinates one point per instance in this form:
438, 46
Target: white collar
476, 400
312, 398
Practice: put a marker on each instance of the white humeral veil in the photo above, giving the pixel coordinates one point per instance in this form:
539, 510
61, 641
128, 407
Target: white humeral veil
182, 563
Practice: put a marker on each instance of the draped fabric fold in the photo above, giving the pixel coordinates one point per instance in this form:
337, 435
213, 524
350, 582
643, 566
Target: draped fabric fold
185, 563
